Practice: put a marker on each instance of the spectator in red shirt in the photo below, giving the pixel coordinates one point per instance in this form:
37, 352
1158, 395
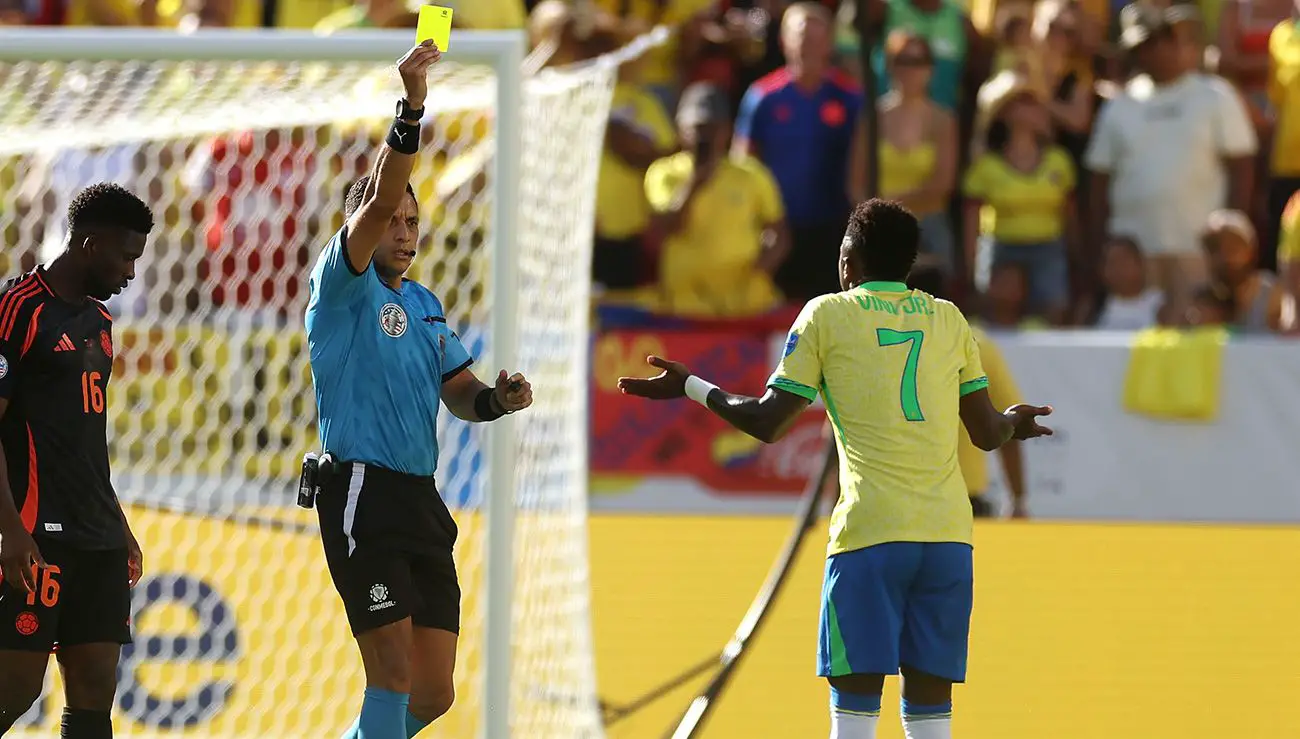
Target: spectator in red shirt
799, 122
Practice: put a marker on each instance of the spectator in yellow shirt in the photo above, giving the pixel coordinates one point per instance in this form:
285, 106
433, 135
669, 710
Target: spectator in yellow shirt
1288, 247
720, 218
664, 65
1284, 94
1004, 394
1024, 184
639, 133
367, 14
486, 15
168, 13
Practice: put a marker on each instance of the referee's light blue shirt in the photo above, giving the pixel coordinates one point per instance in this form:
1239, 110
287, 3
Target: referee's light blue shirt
379, 357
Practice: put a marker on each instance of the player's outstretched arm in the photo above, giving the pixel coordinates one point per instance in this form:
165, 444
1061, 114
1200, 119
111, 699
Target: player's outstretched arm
18, 551
767, 418
470, 399
394, 163
990, 429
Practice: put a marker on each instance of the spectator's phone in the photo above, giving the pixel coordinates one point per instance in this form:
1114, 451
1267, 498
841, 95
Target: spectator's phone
434, 23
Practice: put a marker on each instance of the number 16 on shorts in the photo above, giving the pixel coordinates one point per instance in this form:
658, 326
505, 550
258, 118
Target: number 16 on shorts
43, 598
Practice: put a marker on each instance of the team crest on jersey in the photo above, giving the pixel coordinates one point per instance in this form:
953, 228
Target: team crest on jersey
392, 319
27, 623
4, 366
106, 343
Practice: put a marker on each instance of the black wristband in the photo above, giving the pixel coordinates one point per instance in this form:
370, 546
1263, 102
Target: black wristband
483, 406
403, 137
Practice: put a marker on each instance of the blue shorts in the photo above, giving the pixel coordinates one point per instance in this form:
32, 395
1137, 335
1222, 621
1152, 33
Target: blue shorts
1047, 272
897, 604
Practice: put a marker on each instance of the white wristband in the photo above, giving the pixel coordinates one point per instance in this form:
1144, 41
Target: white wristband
698, 390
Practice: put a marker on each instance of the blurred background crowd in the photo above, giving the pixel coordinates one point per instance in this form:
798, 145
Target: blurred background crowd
1073, 162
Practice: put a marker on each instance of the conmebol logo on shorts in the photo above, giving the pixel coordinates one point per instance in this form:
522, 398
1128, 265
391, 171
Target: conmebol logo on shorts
379, 594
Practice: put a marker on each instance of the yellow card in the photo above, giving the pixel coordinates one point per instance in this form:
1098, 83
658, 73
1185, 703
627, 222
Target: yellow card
435, 23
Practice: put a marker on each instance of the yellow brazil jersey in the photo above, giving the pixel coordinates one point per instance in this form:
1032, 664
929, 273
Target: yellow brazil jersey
1022, 207
659, 66
1284, 92
709, 267
907, 170
891, 365
621, 208
1288, 243
1004, 394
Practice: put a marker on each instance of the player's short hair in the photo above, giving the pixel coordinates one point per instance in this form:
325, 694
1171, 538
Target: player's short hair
885, 236
356, 194
108, 205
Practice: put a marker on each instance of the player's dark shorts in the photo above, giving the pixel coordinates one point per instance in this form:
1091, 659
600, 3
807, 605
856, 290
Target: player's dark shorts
388, 541
83, 598
901, 604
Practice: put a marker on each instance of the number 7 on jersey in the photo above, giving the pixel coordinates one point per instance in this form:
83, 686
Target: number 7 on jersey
889, 337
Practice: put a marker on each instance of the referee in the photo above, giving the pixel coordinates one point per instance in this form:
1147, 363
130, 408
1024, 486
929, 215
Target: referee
382, 357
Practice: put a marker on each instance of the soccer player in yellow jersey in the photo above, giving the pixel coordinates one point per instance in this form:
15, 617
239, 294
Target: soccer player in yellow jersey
897, 369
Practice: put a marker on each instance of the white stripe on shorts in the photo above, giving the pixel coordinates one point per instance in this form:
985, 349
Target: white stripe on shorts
350, 508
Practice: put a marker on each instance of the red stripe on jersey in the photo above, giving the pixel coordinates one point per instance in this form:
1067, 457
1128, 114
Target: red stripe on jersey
31, 329
842, 80
11, 313
774, 81
41, 280
104, 311
33, 498
16, 292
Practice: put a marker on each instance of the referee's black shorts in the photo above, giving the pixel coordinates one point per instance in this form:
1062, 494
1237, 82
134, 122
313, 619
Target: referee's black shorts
388, 541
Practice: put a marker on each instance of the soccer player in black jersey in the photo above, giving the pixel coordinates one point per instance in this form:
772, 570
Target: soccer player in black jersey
67, 555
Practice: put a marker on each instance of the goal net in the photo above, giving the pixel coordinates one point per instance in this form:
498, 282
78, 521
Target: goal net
245, 160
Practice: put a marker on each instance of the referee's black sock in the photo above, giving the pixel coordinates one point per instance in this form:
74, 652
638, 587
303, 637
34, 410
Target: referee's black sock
82, 724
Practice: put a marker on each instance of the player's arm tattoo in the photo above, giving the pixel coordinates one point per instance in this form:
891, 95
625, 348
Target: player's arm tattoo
767, 418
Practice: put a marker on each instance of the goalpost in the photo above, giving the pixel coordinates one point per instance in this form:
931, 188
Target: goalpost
243, 143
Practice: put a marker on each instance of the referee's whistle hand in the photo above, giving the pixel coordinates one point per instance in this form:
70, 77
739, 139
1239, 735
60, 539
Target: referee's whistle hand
513, 391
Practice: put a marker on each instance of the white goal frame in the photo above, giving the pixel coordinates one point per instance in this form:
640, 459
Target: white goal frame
504, 52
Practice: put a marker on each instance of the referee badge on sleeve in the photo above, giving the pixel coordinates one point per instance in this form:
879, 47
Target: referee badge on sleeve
392, 319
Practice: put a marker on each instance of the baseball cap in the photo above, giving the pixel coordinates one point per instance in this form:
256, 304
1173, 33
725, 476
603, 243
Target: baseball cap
701, 103
1140, 21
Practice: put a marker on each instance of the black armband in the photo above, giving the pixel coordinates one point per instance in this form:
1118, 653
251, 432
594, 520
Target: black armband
403, 137
483, 406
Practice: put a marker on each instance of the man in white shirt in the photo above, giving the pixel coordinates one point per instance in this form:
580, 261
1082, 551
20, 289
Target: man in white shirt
1172, 148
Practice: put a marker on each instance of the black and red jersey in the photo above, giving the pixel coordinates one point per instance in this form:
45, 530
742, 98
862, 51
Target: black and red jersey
56, 358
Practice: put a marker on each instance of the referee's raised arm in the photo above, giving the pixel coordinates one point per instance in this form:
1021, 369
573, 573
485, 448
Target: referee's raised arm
389, 180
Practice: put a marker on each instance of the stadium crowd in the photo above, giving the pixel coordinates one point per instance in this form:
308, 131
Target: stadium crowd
1074, 162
